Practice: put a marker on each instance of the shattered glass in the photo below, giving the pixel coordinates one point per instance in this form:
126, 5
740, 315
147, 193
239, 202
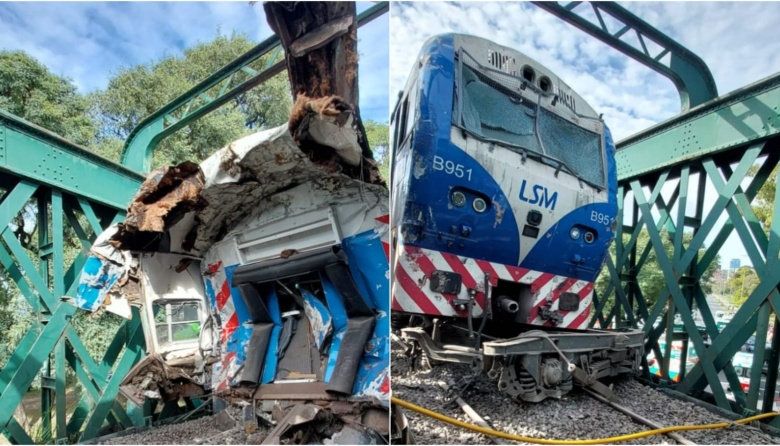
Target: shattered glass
491, 113
491, 108
185, 322
160, 317
162, 333
580, 149
186, 312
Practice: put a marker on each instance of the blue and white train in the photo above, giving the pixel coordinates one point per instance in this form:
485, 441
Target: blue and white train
504, 205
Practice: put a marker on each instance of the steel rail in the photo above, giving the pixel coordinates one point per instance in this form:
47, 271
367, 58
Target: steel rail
638, 418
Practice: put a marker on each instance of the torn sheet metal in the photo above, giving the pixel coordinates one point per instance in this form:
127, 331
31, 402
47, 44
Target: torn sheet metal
339, 313
242, 177
233, 323
186, 208
300, 414
351, 207
97, 278
370, 270
329, 123
320, 320
256, 196
106, 267
154, 378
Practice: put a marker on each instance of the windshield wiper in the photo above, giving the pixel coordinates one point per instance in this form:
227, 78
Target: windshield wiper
525, 153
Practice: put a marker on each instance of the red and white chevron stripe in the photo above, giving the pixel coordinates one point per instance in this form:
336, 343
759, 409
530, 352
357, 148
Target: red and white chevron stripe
224, 371
412, 294
225, 307
383, 229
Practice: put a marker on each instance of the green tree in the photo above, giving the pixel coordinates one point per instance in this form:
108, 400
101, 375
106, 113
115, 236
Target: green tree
742, 283
136, 92
378, 135
29, 90
763, 203
651, 278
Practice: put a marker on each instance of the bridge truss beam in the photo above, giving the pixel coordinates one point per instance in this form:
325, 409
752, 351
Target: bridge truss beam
730, 147
687, 71
48, 282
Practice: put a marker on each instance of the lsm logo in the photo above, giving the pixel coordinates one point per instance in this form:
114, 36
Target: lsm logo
541, 196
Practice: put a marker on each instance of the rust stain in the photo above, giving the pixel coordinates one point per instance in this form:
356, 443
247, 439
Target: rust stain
287, 253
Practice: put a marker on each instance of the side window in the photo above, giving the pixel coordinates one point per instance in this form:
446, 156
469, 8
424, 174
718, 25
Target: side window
395, 123
402, 113
398, 124
411, 110
177, 321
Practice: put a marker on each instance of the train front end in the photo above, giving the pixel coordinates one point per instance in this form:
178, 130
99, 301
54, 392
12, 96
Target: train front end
504, 184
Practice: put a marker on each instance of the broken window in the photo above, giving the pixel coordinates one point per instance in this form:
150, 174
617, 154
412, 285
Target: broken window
491, 106
176, 321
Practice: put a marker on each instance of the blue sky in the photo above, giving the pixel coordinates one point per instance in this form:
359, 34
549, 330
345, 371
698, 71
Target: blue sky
88, 41
733, 38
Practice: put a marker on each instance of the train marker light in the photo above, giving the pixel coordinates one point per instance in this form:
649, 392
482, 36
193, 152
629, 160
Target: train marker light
589, 237
575, 233
479, 205
458, 198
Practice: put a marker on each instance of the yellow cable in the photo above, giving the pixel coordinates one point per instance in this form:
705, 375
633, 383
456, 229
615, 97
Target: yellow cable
504, 435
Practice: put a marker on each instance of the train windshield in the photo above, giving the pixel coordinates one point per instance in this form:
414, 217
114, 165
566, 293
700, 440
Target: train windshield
490, 109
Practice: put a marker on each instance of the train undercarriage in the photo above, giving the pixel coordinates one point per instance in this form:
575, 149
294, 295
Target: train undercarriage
535, 364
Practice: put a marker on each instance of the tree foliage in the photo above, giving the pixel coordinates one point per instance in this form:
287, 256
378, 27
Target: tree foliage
743, 281
379, 140
29, 90
650, 277
763, 203
136, 92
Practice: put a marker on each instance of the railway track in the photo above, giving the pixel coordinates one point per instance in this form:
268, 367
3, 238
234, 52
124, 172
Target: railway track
577, 415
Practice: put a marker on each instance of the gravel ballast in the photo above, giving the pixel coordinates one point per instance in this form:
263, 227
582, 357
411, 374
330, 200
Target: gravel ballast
575, 416
204, 430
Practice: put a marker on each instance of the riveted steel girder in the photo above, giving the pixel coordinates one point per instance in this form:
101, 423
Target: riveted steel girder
43, 278
746, 115
32, 152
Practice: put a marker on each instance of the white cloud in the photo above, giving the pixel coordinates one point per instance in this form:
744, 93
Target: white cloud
89, 41
732, 37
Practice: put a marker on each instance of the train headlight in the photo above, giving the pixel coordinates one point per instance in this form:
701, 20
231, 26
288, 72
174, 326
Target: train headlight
458, 198
479, 205
575, 233
589, 237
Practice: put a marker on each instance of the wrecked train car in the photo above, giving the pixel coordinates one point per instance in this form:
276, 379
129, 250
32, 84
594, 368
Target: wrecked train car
260, 274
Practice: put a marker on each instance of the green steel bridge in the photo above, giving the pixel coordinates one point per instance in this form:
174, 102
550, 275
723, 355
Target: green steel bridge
714, 139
